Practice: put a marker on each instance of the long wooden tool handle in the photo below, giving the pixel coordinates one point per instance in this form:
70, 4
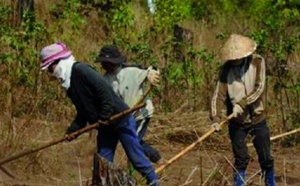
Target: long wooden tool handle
8, 172
76, 133
30, 151
187, 149
279, 136
145, 95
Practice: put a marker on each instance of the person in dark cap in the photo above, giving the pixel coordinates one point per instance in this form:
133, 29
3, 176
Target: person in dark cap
240, 87
128, 82
95, 101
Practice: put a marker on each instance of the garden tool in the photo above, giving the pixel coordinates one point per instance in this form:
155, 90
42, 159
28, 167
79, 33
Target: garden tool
76, 133
145, 95
279, 136
187, 149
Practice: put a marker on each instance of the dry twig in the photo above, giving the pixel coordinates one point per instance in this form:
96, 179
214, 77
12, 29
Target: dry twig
235, 169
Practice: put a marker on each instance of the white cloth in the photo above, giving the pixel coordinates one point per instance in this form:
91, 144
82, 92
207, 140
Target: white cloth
153, 77
151, 6
63, 71
128, 83
237, 110
216, 126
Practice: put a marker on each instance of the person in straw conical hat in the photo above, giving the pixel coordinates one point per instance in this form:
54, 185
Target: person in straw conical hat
240, 87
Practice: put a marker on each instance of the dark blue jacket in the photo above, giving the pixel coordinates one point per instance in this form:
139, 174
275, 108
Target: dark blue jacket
93, 98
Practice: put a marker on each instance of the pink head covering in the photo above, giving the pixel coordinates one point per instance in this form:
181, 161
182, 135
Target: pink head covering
53, 52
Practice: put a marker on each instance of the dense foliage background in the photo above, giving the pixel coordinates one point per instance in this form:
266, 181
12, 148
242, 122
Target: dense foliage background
182, 38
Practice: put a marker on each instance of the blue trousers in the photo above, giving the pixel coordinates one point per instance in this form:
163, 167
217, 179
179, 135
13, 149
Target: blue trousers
124, 131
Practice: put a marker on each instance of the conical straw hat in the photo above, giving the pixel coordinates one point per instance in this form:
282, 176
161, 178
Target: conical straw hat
237, 47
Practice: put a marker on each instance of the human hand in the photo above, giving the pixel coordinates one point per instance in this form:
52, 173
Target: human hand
237, 110
153, 77
69, 137
102, 122
216, 126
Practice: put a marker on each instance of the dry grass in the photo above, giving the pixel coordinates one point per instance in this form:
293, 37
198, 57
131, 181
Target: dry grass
209, 163
70, 163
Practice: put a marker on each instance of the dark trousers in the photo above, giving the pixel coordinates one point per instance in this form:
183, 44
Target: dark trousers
150, 152
261, 140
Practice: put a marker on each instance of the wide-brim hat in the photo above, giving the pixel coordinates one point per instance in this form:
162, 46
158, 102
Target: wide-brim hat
237, 47
53, 52
110, 54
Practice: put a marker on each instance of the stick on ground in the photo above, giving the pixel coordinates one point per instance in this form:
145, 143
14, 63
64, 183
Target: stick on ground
190, 147
76, 133
279, 136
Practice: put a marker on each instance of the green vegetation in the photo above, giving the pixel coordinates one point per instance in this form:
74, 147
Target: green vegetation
149, 40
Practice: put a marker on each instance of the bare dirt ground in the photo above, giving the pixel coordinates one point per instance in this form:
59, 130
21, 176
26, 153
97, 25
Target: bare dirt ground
209, 163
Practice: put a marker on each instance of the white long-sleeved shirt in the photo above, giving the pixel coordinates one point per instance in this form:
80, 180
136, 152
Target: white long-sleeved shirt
128, 84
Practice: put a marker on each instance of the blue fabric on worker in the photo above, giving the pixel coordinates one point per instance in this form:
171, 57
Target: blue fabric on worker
124, 130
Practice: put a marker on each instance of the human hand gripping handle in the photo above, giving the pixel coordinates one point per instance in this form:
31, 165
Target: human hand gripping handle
237, 110
69, 134
154, 77
216, 126
191, 146
78, 132
70, 137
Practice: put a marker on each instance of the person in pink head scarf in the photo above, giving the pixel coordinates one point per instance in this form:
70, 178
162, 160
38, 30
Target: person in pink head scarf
95, 101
